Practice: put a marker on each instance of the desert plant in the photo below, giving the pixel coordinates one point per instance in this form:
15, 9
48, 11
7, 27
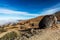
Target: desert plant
10, 36
2, 29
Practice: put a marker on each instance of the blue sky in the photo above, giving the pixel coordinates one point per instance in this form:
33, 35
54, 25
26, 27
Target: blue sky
26, 9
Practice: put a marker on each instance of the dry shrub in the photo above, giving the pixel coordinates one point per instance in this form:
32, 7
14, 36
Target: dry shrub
2, 29
10, 36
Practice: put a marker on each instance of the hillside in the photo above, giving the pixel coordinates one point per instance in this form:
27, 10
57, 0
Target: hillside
24, 24
29, 30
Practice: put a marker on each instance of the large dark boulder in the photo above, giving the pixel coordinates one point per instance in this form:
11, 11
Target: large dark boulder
47, 21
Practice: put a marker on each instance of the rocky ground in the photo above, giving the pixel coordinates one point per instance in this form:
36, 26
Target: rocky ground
43, 34
52, 33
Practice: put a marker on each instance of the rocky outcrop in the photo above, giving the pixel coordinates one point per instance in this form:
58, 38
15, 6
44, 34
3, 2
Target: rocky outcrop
48, 21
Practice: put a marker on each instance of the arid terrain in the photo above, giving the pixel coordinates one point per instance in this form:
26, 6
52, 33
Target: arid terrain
29, 30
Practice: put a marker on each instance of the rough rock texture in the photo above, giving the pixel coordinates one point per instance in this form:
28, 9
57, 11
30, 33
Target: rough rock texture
48, 21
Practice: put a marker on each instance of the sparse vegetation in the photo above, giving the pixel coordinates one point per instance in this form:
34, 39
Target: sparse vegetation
10, 36
2, 29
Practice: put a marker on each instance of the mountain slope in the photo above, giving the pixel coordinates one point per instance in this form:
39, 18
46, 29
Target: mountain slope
26, 24
58, 15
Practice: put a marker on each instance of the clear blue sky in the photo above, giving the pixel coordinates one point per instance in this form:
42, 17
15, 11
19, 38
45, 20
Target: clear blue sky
26, 9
